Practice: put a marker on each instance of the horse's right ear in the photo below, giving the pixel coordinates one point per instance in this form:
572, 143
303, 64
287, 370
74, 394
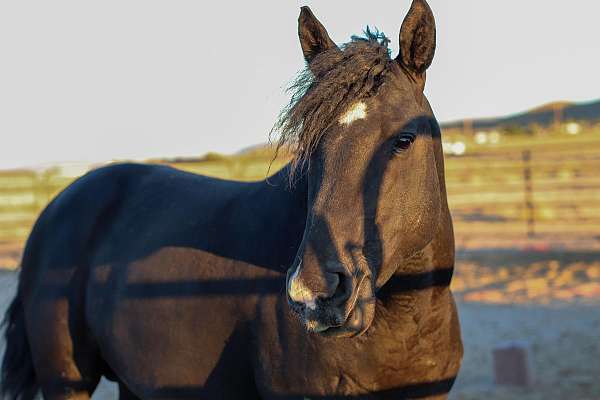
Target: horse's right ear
314, 39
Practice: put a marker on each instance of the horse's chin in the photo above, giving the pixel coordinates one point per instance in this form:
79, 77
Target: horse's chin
358, 322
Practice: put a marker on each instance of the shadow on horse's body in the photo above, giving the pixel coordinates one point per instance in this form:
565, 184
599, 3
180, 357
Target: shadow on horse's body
174, 284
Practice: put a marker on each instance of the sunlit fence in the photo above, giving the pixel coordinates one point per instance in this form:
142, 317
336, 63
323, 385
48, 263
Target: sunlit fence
543, 195
23, 194
510, 195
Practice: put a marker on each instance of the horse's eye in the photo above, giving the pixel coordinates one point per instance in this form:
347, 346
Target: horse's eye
403, 142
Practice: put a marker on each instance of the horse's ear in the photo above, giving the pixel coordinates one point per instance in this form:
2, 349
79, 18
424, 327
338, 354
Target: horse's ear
417, 39
314, 39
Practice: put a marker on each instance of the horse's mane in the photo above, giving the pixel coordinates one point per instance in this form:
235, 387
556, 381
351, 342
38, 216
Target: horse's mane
323, 91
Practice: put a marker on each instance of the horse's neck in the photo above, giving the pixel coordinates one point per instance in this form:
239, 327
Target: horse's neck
277, 214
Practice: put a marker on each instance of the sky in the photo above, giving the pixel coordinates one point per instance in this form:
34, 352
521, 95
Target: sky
95, 81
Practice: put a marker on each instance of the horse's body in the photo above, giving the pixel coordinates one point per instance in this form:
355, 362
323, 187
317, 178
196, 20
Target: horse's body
130, 259
174, 285
160, 301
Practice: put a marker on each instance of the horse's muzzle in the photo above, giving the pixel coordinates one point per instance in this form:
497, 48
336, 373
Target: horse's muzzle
346, 312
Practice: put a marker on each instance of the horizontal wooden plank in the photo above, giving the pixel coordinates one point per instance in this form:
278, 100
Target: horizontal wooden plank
509, 165
591, 228
553, 197
573, 186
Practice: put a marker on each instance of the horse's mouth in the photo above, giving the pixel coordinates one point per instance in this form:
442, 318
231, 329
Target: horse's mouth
355, 325
353, 320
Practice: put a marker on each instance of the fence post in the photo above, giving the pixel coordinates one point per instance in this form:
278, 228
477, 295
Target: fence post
529, 205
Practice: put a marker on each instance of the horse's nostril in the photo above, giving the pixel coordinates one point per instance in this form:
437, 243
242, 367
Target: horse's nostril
310, 291
343, 289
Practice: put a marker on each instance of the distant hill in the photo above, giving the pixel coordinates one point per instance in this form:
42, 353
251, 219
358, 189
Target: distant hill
543, 116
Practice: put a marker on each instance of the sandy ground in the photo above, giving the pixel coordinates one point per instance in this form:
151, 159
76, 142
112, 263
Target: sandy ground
564, 348
549, 301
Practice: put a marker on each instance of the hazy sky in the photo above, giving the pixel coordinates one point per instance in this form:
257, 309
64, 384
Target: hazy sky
134, 79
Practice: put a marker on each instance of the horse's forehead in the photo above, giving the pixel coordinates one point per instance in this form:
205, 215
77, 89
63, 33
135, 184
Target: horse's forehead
355, 112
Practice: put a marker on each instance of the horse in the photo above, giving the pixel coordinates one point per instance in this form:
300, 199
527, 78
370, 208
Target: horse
328, 280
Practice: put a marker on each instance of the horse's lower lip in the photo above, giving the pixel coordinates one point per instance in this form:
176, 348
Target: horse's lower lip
350, 318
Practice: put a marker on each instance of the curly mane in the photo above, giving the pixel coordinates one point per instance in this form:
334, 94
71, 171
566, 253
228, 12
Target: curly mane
325, 89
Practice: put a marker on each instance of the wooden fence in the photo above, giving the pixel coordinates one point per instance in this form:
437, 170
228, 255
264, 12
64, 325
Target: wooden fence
501, 198
526, 196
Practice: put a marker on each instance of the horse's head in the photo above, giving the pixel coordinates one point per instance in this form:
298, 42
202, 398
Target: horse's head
364, 136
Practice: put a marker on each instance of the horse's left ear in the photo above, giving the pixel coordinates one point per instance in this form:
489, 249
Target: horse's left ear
417, 39
314, 38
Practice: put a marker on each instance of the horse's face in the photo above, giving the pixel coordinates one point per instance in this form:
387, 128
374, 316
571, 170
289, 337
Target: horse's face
373, 189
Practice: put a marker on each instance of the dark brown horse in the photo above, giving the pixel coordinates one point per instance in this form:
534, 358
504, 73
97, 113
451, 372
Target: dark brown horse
174, 285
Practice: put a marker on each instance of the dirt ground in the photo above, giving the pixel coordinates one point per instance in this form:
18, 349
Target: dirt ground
549, 301
563, 342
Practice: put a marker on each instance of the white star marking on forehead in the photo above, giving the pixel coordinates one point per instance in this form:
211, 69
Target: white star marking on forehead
356, 112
